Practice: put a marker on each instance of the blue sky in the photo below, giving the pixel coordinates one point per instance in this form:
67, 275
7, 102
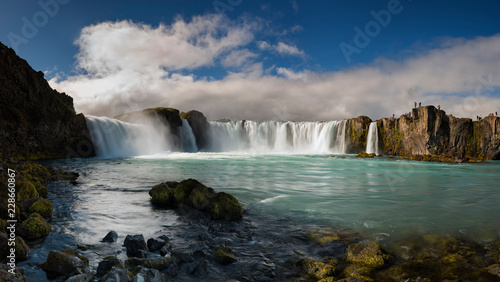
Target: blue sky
287, 45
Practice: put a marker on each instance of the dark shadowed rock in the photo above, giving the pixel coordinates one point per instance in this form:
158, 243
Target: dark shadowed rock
115, 275
111, 237
156, 244
18, 275
86, 277
150, 275
201, 128
357, 132
224, 255
136, 246
65, 263
37, 122
107, 264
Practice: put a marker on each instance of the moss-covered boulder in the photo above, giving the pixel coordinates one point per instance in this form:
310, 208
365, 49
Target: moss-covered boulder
26, 190
43, 191
43, 207
365, 155
65, 263
107, 264
224, 255
366, 254
21, 248
34, 227
225, 206
163, 194
314, 269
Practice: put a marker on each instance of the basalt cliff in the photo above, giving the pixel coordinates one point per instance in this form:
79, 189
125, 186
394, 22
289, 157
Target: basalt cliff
37, 122
430, 131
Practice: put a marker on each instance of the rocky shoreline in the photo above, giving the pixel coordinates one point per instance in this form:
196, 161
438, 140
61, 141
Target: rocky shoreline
216, 242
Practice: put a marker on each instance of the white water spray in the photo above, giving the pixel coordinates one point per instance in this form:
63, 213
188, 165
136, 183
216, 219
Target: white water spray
372, 145
280, 137
188, 141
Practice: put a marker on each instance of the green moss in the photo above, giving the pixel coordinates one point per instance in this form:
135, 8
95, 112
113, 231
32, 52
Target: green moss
43, 191
225, 206
366, 254
34, 227
162, 194
361, 273
314, 269
43, 207
26, 190
324, 236
224, 255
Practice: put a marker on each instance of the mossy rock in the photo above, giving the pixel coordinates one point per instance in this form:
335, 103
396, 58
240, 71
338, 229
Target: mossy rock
22, 249
200, 197
225, 206
163, 194
183, 189
324, 236
34, 227
224, 255
43, 207
43, 191
3, 225
314, 269
365, 155
366, 254
360, 273
65, 263
26, 190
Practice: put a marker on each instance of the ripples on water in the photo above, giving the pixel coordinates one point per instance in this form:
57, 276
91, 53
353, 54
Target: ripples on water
383, 199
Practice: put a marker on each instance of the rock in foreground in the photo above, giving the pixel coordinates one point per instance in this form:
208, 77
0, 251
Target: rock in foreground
194, 194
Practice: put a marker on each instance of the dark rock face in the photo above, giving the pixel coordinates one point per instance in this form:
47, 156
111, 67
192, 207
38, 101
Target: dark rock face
37, 122
357, 130
136, 246
201, 128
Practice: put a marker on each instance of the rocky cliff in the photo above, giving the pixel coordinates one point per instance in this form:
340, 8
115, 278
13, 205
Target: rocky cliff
357, 131
37, 122
201, 128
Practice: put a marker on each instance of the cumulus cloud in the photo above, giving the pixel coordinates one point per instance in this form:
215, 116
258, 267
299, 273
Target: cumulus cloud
128, 66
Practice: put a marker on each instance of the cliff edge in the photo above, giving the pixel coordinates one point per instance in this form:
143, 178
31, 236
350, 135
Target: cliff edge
36, 121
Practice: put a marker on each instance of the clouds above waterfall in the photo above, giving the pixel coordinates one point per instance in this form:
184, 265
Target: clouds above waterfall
124, 66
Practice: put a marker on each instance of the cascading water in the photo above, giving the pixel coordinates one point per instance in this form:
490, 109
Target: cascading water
280, 137
188, 141
372, 145
114, 138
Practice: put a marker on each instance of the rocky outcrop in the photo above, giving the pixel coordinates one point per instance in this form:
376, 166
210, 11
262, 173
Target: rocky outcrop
357, 131
36, 121
201, 128
430, 131
194, 194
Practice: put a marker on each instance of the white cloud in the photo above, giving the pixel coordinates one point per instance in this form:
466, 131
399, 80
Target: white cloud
131, 66
295, 5
281, 48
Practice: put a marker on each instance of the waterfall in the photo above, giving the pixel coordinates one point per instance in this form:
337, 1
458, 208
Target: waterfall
372, 145
114, 138
188, 141
280, 137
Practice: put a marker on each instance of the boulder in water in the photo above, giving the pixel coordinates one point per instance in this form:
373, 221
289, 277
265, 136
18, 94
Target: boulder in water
314, 269
111, 237
65, 263
43, 207
366, 254
225, 206
365, 155
136, 246
34, 227
163, 194
224, 255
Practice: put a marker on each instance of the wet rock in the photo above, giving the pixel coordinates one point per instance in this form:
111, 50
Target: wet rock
34, 227
107, 264
111, 237
264, 270
6, 276
224, 255
367, 254
494, 269
225, 206
26, 190
153, 263
200, 126
86, 277
156, 244
148, 275
314, 269
65, 263
21, 248
115, 275
183, 256
165, 249
43, 207
136, 246
362, 273
193, 194
365, 155
163, 194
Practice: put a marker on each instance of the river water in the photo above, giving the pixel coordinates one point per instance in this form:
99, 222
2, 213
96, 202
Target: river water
384, 199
